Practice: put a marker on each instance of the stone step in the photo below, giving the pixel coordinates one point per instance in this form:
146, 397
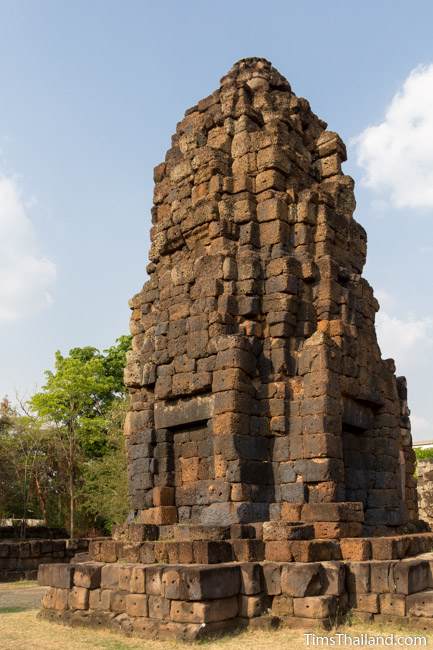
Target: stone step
420, 604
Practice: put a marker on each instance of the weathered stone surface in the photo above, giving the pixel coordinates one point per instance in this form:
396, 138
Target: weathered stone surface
281, 530
256, 329
355, 549
411, 576
315, 606
301, 580
420, 604
56, 575
78, 598
204, 612
88, 575
251, 578
252, 606
394, 604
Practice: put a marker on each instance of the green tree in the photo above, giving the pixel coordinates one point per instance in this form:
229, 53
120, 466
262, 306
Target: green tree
75, 402
27, 464
104, 491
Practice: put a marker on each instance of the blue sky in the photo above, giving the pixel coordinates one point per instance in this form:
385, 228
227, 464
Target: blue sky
91, 93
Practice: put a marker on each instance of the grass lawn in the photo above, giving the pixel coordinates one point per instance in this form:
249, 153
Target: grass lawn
19, 584
20, 629
23, 631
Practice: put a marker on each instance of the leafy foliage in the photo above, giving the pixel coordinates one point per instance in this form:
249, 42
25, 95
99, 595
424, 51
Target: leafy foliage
104, 494
68, 443
424, 454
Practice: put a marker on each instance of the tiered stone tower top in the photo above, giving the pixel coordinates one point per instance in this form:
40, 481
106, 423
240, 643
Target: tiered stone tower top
255, 377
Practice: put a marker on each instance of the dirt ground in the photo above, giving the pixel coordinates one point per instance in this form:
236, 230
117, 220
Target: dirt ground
20, 595
21, 630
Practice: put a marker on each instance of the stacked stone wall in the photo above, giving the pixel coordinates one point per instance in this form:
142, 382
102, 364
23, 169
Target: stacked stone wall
257, 326
21, 560
424, 470
192, 602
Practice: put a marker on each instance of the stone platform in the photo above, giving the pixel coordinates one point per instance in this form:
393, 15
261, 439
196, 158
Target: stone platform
193, 589
273, 541
192, 601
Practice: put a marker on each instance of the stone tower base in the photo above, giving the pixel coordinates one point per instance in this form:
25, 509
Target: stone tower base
187, 589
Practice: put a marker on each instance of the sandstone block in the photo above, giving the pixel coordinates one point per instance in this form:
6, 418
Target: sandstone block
251, 606
333, 578
147, 553
282, 605
159, 607
173, 584
382, 579
154, 580
411, 576
270, 179
136, 605
159, 515
329, 166
337, 529
118, 601
204, 612
79, 598
48, 599
61, 600
420, 604
291, 511
359, 577
109, 551
315, 550
273, 158
365, 603
138, 580
280, 551
100, 599
355, 549
145, 627
56, 575
281, 530
209, 583
301, 580
212, 552
163, 496
251, 578
394, 604
272, 578
272, 209
273, 232
315, 606
384, 548
344, 511
110, 576
248, 550
125, 573
88, 575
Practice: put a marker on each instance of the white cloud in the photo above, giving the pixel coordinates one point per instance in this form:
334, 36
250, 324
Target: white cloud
26, 277
397, 154
403, 340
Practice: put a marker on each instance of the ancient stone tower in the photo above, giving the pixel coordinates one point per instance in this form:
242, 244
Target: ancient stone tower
269, 451
256, 380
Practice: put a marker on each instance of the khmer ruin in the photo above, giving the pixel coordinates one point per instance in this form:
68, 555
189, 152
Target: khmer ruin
270, 461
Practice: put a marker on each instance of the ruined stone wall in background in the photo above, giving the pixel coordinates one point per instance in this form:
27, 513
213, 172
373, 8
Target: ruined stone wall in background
20, 560
425, 489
